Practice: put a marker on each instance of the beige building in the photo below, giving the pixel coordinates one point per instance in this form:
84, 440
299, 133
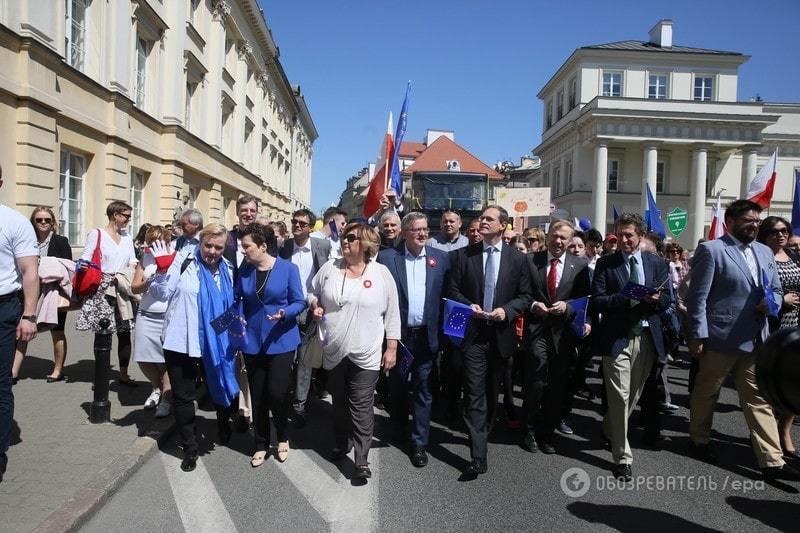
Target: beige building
165, 104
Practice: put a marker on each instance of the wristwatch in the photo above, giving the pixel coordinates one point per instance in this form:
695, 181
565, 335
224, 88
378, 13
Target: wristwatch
29, 318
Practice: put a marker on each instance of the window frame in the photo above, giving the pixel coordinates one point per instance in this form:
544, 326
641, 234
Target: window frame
603, 83
559, 104
612, 161
140, 55
568, 176
137, 208
661, 177
72, 229
656, 86
703, 88
69, 42
549, 114
573, 93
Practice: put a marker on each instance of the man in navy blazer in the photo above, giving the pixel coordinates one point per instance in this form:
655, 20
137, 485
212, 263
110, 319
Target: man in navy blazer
629, 337
419, 272
727, 322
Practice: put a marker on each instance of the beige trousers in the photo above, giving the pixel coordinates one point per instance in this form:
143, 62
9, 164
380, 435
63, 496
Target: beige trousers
625, 376
714, 368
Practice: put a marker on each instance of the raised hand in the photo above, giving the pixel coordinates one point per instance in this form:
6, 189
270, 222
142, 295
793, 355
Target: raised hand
163, 254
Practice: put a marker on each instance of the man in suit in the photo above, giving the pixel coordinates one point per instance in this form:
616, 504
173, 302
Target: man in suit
247, 211
309, 254
191, 222
727, 314
419, 272
493, 279
629, 337
556, 277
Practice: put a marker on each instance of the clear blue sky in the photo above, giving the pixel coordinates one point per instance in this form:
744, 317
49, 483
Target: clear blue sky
476, 66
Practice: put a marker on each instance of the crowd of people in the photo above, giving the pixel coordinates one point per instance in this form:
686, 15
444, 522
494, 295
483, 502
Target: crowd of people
267, 317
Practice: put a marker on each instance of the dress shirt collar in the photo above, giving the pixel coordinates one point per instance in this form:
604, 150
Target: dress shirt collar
498, 247
561, 259
409, 255
637, 254
739, 244
305, 248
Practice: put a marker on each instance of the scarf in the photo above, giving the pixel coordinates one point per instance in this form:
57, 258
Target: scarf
219, 359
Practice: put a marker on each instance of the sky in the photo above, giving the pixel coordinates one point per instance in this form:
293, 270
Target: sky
476, 66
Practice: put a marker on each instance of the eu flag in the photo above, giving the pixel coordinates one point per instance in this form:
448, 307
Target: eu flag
456, 318
580, 305
334, 229
635, 291
395, 180
653, 215
769, 295
404, 361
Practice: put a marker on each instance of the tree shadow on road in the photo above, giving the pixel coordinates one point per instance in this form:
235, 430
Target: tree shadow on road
778, 515
628, 518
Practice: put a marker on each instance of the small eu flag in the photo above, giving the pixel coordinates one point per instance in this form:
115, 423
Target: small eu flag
638, 292
769, 295
580, 305
405, 361
334, 229
456, 317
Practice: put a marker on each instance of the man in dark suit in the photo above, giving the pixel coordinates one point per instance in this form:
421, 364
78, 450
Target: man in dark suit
309, 254
419, 272
493, 279
247, 211
629, 337
556, 277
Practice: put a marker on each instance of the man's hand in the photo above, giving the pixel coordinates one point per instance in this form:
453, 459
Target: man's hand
762, 307
477, 309
653, 298
389, 359
791, 298
696, 348
587, 329
26, 330
498, 315
317, 312
558, 308
539, 309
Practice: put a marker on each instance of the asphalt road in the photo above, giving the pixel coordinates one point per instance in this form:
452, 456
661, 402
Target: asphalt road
521, 492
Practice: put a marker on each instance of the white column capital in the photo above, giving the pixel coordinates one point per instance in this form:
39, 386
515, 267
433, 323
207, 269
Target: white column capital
600, 141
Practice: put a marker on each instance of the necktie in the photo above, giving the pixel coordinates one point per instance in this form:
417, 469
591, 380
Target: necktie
750, 258
489, 281
552, 280
636, 328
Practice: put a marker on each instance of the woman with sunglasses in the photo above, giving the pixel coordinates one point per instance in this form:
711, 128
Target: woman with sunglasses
50, 245
116, 248
355, 298
775, 232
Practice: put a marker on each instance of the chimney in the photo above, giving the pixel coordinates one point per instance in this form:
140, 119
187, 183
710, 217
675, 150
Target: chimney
661, 34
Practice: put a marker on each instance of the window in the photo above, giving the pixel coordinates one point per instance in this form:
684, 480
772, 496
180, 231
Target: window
190, 89
703, 88
140, 72
573, 93
557, 179
613, 174
194, 18
560, 104
657, 87
227, 124
660, 171
568, 178
70, 196
137, 189
612, 84
546, 178
549, 114
75, 35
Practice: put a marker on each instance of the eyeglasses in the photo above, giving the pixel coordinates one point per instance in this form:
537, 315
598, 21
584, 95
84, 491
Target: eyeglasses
44, 220
418, 230
126, 215
350, 237
780, 231
300, 223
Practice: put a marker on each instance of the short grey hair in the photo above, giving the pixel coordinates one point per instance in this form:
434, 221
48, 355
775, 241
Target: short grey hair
411, 217
195, 217
387, 215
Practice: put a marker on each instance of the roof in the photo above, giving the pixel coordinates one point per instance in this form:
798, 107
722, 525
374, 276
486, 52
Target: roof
411, 149
642, 46
442, 150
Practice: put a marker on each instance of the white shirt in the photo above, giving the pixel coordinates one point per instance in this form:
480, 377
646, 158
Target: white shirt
336, 246
559, 268
115, 257
17, 239
303, 258
415, 280
497, 253
149, 302
639, 271
749, 259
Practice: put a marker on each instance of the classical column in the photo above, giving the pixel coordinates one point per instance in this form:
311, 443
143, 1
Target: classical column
650, 160
749, 160
698, 197
600, 189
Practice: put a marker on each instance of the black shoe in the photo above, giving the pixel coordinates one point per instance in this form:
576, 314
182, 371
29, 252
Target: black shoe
476, 466
224, 432
529, 442
703, 452
418, 457
564, 428
14, 381
3, 466
623, 472
189, 462
362, 472
785, 472
546, 446
51, 379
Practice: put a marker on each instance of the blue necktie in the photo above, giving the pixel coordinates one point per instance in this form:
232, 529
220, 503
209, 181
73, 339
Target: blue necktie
489, 281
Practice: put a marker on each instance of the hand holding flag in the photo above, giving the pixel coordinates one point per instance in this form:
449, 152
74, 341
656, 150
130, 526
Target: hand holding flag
773, 307
578, 324
456, 318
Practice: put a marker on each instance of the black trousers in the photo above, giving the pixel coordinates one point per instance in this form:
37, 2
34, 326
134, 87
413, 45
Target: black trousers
10, 312
269, 377
652, 395
352, 389
182, 371
547, 378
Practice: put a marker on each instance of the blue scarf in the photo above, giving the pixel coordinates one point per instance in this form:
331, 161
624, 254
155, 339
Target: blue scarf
219, 359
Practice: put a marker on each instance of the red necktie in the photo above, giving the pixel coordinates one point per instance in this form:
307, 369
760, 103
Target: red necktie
552, 280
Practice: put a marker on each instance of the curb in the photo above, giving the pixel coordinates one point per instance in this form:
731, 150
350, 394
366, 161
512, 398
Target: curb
85, 502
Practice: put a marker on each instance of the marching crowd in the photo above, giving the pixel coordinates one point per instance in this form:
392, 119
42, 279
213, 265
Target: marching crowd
270, 315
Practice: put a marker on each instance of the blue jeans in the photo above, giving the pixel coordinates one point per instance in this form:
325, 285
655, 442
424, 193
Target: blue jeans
420, 388
10, 312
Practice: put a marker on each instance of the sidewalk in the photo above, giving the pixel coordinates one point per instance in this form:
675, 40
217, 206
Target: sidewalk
60, 465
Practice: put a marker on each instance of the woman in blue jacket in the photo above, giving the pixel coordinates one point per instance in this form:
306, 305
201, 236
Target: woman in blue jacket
272, 297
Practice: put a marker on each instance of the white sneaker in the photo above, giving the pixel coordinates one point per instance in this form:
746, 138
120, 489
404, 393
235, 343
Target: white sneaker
163, 409
152, 400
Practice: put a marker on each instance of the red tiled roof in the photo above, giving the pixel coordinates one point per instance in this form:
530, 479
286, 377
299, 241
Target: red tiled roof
435, 157
411, 149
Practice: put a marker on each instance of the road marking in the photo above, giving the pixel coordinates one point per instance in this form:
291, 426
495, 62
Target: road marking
198, 502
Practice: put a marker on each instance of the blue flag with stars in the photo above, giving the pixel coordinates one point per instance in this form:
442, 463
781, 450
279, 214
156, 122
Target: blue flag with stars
396, 180
769, 295
635, 291
580, 305
404, 361
456, 318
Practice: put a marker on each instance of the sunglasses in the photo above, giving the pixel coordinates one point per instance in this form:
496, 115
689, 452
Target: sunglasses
350, 237
780, 231
126, 215
44, 220
300, 223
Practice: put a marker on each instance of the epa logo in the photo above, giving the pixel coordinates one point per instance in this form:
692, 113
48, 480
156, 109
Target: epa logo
575, 482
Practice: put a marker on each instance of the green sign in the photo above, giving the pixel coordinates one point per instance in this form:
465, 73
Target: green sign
676, 220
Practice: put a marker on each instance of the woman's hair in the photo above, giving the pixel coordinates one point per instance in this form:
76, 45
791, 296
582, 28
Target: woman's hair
260, 235
156, 233
117, 207
279, 227
534, 234
213, 229
520, 239
369, 238
46, 209
141, 235
768, 224
672, 246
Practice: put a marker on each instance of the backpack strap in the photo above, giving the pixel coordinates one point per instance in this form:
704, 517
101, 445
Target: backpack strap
185, 263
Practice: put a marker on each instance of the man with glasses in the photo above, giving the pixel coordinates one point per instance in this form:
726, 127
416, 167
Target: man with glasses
309, 254
727, 313
449, 237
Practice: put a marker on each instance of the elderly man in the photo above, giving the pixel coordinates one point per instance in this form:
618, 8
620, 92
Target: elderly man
449, 237
191, 222
389, 228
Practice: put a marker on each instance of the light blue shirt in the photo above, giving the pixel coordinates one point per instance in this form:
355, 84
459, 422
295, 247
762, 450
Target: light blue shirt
639, 271
497, 253
415, 280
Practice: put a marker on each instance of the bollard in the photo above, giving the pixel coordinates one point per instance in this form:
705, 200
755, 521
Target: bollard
101, 408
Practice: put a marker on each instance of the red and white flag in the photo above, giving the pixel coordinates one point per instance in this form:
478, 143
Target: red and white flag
763, 184
718, 228
377, 187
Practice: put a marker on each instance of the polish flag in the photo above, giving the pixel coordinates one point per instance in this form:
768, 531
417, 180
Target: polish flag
378, 185
763, 184
718, 228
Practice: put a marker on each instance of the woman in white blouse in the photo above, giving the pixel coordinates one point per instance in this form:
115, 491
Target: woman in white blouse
356, 300
116, 247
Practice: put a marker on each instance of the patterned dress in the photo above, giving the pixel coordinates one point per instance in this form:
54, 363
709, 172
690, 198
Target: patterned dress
789, 272
99, 306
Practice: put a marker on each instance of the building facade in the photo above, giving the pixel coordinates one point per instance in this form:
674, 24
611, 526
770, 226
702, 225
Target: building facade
621, 115
165, 104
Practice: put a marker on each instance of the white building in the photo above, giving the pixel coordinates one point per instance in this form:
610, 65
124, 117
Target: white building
622, 114
166, 104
